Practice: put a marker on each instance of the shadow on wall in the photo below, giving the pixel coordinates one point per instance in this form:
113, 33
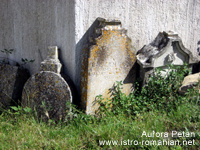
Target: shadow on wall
68, 80
196, 67
83, 42
133, 75
198, 47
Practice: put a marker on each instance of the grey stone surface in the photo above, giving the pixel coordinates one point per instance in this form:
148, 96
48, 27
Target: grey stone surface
108, 58
7, 81
47, 92
51, 63
12, 79
189, 82
167, 48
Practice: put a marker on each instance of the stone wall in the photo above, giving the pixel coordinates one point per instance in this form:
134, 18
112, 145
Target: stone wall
30, 26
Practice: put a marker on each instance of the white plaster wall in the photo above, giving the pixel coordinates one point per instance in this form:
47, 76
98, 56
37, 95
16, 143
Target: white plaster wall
144, 18
30, 26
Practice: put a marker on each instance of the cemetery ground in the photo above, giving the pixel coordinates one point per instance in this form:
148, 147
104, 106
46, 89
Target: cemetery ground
153, 117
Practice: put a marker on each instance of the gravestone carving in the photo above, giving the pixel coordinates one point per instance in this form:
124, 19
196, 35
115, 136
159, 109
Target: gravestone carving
167, 48
12, 80
109, 57
47, 92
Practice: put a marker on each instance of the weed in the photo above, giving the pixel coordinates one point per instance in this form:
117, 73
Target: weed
160, 94
6, 60
25, 61
7, 51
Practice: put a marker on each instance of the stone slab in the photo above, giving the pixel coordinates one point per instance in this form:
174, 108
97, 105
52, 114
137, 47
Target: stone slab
189, 82
107, 59
12, 80
8, 75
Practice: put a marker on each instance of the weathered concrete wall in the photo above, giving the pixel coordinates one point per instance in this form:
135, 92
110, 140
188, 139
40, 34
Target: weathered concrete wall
144, 18
30, 26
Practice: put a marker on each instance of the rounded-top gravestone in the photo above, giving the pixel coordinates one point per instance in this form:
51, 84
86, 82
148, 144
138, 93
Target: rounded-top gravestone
47, 92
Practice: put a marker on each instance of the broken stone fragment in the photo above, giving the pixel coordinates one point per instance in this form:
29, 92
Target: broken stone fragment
166, 49
163, 43
189, 82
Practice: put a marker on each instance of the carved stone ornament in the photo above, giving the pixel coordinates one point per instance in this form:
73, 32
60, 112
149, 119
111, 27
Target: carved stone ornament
167, 48
170, 57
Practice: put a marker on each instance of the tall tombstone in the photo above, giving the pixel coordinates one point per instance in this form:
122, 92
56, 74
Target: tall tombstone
109, 57
47, 92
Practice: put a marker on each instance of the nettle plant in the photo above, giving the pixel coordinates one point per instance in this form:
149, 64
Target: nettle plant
160, 94
6, 59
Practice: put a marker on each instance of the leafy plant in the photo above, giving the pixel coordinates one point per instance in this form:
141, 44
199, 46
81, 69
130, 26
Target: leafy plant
160, 94
7, 51
6, 60
18, 110
25, 61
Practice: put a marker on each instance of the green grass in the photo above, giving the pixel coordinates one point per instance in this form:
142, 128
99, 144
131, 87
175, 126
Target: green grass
84, 132
125, 122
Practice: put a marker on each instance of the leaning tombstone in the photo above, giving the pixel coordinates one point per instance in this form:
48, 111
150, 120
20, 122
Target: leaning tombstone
109, 57
167, 48
12, 80
47, 92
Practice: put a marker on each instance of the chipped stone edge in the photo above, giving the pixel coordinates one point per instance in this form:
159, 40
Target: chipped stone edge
173, 37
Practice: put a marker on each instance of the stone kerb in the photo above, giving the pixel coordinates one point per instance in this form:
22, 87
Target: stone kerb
108, 58
12, 80
47, 92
